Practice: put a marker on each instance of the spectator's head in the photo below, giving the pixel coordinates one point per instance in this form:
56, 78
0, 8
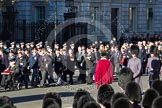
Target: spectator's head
134, 50
157, 103
8, 106
77, 95
55, 96
133, 91
91, 104
157, 85
54, 105
149, 96
83, 100
105, 104
125, 76
5, 100
122, 103
49, 102
105, 93
117, 96
153, 50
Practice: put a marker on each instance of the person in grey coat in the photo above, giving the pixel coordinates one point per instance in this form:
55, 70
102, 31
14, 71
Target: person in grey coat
44, 66
135, 65
153, 65
115, 59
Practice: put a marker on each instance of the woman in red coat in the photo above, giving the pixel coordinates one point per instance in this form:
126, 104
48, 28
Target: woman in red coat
104, 71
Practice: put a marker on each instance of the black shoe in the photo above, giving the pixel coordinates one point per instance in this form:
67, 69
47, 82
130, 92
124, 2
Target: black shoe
82, 82
26, 87
89, 83
71, 83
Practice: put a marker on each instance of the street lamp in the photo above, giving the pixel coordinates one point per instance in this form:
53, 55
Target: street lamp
55, 34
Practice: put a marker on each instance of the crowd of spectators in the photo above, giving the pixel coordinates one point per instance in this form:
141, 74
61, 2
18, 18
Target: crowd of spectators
131, 97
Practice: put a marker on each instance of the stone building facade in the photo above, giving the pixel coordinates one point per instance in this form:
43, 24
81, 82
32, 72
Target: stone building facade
99, 19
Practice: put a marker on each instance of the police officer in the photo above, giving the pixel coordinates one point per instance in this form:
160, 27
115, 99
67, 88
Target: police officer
33, 65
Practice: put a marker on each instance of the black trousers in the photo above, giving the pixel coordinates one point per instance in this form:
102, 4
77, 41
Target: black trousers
82, 75
70, 73
25, 77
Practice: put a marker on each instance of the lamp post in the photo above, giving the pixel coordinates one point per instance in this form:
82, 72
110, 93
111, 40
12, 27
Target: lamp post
8, 19
55, 23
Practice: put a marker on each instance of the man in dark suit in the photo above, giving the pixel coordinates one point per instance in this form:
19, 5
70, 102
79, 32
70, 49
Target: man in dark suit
143, 56
115, 59
44, 65
64, 62
21, 62
33, 64
58, 67
90, 64
81, 64
4, 62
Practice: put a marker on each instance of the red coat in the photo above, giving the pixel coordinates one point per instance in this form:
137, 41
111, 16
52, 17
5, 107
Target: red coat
104, 73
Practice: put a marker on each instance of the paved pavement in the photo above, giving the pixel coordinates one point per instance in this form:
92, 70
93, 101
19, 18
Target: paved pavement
32, 98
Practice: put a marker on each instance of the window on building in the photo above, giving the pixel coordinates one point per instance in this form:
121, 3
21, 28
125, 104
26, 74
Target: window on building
133, 19
149, 18
69, 3
40, 13
95, 17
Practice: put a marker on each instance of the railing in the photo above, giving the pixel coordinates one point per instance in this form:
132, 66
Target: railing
27, 31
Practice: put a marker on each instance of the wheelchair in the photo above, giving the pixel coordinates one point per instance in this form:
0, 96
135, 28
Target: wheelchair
11, 81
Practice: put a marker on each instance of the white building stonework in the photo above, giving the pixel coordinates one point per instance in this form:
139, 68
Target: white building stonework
118, 16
